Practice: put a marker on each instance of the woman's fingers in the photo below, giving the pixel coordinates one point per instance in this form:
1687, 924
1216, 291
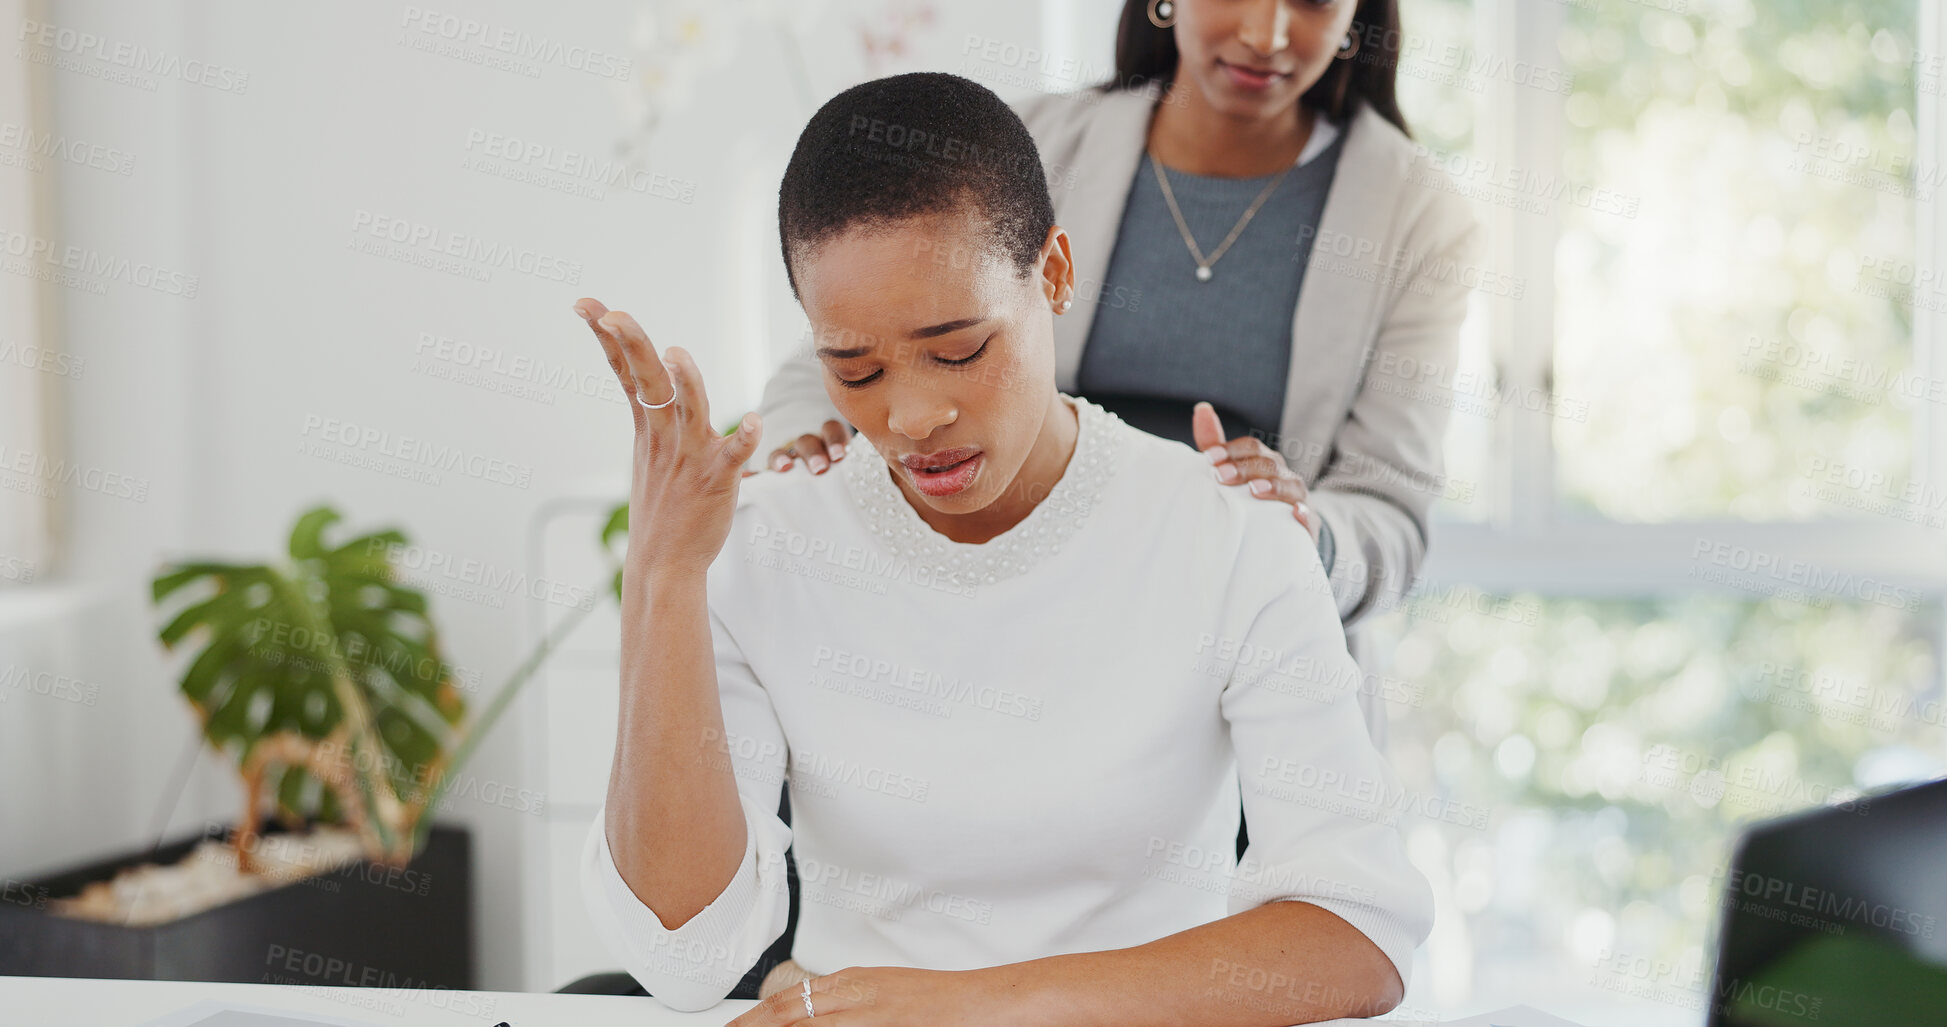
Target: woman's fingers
818, 451
1249, 462
743, 442
1238, 471
1247, 459
811, 449
1205, 427
1286, 489
652, 384
674, 384
1309, 518
591, 311
1242, 447
692, 401
836, 433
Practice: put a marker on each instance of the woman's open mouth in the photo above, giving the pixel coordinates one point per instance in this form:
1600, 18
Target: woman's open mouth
944, 473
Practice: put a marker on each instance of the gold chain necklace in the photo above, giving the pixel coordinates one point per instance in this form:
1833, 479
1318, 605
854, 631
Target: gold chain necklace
1203, 263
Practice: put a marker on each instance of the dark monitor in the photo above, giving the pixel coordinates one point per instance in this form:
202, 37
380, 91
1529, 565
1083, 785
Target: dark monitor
1838, 917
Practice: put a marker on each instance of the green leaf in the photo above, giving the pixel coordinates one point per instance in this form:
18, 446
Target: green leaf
176, 577
617, 525
307, 533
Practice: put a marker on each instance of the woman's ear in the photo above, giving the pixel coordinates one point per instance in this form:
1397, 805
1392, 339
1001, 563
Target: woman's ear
1057, 271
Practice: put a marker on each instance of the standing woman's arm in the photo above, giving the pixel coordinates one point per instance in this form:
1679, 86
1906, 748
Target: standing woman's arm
1385, 466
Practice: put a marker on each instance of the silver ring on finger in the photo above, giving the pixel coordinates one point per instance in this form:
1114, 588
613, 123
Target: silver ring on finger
657, 406
808, 1011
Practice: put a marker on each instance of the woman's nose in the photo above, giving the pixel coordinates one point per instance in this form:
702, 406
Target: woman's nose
1266, 27
919, 414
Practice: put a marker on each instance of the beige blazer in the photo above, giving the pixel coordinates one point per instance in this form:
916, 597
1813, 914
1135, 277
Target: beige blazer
1374, 336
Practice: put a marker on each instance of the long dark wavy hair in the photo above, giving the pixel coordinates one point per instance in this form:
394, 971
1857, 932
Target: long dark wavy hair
1145, 54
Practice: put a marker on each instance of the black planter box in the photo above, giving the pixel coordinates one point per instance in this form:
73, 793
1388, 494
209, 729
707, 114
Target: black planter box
362, 925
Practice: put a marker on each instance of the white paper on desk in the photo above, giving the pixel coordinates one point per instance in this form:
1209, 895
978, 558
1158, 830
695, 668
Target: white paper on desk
211, 1013
1513, 1016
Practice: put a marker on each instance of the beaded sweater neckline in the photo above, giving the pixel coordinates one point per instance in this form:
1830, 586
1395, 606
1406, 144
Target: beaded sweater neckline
1039, 535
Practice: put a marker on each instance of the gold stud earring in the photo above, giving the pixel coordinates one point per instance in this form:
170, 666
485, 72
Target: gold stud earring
1162, 13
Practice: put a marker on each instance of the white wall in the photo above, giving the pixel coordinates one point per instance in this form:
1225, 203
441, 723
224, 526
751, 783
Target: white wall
207, 400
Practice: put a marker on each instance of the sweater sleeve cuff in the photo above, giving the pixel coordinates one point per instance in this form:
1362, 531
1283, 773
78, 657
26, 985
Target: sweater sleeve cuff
697, 964
1387, 931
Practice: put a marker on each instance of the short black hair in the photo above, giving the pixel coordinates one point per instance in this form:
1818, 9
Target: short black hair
910, 145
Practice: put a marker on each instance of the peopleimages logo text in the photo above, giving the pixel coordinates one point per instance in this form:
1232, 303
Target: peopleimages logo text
420, 452
414, 235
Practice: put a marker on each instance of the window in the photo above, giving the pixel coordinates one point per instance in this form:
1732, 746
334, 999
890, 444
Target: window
1695, 582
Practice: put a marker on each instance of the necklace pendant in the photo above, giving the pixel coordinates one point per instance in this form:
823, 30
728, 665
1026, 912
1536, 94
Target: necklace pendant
1203, 274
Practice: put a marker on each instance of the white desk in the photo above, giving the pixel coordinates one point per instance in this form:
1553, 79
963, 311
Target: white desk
90, 1002
86, 1002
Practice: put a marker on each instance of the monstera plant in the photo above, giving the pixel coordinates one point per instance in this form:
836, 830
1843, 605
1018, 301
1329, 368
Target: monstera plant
322, 675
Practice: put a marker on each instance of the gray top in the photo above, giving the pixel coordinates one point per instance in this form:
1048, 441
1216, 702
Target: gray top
1167, 340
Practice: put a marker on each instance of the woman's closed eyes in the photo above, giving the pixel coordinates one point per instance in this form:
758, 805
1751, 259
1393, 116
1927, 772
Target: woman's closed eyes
861, 383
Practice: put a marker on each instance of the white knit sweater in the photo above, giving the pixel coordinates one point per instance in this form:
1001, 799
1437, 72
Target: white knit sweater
1029, 746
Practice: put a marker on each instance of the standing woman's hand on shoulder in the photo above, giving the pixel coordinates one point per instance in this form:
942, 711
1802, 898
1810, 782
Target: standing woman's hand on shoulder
1251, 463
817, 451
683, 487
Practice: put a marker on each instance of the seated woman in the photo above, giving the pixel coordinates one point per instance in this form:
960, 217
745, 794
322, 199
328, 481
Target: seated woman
1015, 662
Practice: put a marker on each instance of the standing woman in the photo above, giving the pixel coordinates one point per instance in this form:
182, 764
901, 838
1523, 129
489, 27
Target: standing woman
1256, 254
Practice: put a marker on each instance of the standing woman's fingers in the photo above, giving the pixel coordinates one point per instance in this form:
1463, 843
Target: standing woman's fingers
1244, 447
1309, 518
1248, 468
1283, 489
811, 449
1205, 427
835, 435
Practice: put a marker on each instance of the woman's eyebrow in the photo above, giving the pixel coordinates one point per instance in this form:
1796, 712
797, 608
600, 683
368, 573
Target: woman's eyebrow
932, 331
928, 332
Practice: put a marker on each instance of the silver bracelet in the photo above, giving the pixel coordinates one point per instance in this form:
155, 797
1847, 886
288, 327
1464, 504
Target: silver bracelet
808, 1011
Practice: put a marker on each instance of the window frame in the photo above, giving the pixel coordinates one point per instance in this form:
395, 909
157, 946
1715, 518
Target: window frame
29, 397
1527, 543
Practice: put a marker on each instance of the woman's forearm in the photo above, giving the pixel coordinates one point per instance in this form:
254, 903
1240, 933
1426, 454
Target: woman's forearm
675, 825
1378, 540
1277, 964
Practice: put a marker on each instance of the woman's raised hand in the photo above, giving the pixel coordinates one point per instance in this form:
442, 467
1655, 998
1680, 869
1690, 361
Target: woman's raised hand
684, 485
